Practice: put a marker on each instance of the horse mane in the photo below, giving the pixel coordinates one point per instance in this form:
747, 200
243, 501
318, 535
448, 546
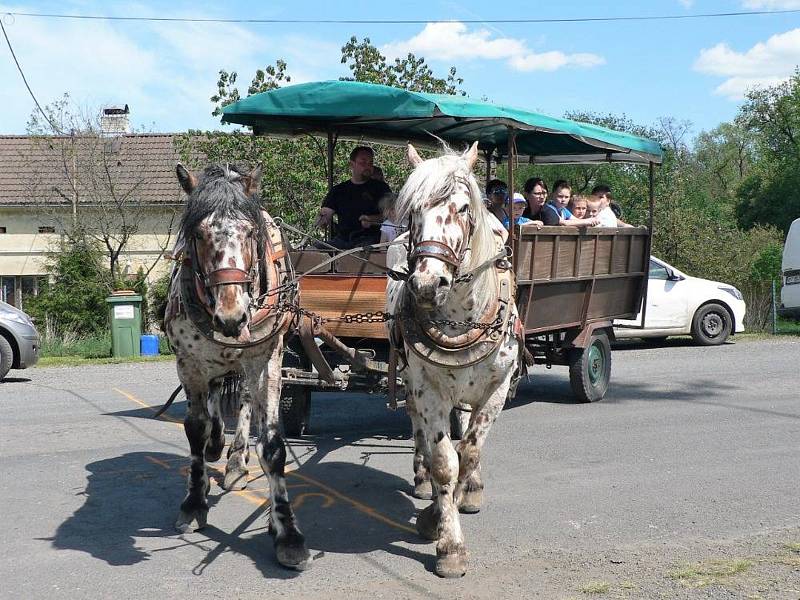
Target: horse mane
220, 191
437, 179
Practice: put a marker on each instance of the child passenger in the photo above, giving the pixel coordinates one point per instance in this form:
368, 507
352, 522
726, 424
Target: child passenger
578, 206
389, 229
518, 206
556, 212
602, 195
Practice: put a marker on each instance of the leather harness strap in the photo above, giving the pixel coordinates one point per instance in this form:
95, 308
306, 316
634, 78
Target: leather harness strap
434, 249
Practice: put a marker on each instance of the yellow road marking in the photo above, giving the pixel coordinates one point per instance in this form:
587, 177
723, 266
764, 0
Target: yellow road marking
298, 500
359, 506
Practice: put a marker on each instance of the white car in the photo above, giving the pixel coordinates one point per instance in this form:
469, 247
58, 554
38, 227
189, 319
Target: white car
679, 304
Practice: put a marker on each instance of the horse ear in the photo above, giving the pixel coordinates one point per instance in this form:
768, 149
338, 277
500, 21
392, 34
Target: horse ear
187, 180
413, 156
252, 185
471, 156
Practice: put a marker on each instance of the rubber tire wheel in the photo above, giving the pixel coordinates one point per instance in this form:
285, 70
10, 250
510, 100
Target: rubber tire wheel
295, 410
6, 357
711, 325
590, 368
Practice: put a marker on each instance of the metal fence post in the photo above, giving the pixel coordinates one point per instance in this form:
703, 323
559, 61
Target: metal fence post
774, 312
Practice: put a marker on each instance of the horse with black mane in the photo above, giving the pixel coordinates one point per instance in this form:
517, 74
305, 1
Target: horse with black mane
226, 313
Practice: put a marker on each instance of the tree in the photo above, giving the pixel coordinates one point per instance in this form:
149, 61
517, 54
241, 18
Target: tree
78, 166
410, 73
770, 193
268, 78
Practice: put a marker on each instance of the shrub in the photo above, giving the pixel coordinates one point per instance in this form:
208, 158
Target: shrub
74, 297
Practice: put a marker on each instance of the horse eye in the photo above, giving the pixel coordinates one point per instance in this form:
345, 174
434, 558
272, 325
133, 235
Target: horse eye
464, 209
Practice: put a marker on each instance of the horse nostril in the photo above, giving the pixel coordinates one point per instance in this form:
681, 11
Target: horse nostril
443, 282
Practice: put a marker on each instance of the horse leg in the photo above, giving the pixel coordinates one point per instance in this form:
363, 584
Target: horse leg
451, 552
469, 491
197, 426
290, 544
239, 451
216, 443
422, 477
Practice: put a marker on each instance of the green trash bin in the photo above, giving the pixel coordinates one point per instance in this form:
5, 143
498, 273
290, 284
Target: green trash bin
126, 323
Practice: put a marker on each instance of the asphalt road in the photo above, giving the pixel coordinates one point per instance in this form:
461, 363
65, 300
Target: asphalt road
692, 456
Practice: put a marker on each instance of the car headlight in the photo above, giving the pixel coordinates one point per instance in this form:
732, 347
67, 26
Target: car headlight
732, 291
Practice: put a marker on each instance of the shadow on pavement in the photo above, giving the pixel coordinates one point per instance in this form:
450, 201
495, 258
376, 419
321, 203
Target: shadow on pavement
341, 507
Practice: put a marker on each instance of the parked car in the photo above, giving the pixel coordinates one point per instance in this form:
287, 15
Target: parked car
679, 304
790, 272
19, 340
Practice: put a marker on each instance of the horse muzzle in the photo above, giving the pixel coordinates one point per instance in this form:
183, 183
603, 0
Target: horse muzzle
429, 289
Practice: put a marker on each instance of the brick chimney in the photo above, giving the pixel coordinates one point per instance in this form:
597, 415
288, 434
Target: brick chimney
114, 120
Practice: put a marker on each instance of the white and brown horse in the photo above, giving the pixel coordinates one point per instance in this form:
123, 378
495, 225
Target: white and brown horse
223, 317
455, 321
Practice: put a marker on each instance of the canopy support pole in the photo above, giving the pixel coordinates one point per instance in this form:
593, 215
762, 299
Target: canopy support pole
512, 157
652, 203
487, 156
329, 159
329, 167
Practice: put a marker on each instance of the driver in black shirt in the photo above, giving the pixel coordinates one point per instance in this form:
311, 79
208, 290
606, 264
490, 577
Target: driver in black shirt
355, 203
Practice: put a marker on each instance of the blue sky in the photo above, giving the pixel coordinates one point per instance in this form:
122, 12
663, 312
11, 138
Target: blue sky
694, 70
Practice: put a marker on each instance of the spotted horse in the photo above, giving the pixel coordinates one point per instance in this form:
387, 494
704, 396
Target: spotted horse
224, 315
457, 331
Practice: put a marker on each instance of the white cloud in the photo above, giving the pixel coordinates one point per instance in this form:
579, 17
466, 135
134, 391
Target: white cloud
453, 42
686, 3
766, 63
771, 4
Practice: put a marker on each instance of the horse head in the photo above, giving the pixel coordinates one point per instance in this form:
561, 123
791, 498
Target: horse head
222, 228
442, 201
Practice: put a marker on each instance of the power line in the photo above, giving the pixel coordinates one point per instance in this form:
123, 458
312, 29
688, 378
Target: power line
404, 21
25, 80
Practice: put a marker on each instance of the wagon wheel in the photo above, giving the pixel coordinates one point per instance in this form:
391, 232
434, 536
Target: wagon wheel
590, 368
295, 399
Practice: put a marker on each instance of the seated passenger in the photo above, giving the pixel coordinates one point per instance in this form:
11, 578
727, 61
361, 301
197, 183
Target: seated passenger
355, 203
578, 206
390, 229
556, 212
535, 190
602, 193
497, 194
518, 206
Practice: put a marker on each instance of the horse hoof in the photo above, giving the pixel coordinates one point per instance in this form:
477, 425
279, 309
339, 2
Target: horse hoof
428, 523
292, 552
423, 490
214, 450
185, 521
235, 479
451, 565
471, 502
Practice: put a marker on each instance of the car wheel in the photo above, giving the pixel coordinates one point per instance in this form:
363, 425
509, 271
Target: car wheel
711, 325
590, 368
6, 357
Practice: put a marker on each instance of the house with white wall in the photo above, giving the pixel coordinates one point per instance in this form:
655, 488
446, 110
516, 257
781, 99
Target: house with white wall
117, 186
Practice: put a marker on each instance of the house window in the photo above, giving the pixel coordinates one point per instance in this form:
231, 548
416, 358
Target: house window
47, 229
2, 230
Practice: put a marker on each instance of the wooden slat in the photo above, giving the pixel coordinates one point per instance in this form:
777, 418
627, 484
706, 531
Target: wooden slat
339, 295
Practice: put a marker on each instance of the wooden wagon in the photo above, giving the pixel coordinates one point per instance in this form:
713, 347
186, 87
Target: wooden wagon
571, 282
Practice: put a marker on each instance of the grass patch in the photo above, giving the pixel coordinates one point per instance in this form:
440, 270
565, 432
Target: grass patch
70, 361
627, 585
710, 572
792, 547
596, 587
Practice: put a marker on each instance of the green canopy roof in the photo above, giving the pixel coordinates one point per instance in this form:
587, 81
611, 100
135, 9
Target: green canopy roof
380, 113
